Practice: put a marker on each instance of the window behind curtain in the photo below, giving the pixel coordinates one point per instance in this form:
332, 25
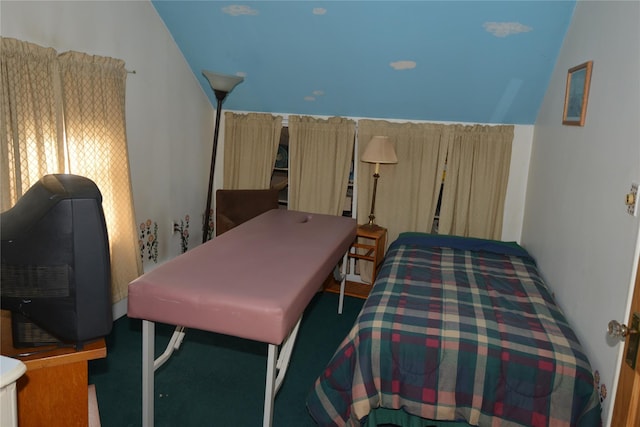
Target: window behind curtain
32, 143
65, 114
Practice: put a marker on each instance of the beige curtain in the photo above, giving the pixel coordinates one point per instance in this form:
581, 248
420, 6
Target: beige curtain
476, 181
37, 86
250, 149
94, 113
32, 142
408, 191
320, 157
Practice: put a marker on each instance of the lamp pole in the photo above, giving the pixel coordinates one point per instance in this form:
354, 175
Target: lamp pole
376, 175
220, 95
221, 84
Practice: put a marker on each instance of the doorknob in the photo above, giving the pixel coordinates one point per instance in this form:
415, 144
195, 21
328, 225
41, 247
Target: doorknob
620, 330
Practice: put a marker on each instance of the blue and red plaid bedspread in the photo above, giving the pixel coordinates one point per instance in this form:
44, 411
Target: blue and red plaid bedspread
464, 330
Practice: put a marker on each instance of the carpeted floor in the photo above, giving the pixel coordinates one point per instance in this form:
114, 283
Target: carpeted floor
217, 380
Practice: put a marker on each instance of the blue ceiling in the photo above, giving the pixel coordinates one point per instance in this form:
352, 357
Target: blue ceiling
461, 61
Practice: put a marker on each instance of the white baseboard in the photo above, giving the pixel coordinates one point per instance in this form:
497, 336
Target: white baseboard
119, 309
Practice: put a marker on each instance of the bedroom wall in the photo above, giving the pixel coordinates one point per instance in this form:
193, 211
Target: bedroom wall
169, 118
575, 221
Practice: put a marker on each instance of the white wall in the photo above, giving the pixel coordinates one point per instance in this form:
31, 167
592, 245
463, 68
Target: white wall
169, 118
514, 203
575, 221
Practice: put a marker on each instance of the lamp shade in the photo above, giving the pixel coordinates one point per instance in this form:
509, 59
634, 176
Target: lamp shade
222, 82
379, 150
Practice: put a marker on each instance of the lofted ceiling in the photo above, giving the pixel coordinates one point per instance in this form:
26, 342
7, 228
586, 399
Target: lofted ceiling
462, 61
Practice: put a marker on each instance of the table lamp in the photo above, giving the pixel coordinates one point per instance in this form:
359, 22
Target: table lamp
379, 150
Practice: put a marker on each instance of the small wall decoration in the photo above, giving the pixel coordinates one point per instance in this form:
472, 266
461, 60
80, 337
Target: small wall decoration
577, 94
183, 229
601, 388
148, 240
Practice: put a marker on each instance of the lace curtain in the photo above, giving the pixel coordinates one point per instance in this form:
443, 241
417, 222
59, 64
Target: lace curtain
31, 132
39, 89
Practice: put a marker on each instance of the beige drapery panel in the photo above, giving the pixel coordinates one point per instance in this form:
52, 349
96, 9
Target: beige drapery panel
250, 149
320, 157
92, 91
476, 182
32, 142
408, 191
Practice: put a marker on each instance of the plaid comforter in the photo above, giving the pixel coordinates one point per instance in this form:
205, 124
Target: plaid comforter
459, 329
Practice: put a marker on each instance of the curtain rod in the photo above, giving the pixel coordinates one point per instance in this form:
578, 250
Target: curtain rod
130, 71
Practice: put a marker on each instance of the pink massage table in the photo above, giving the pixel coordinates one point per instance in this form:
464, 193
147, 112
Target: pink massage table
252, 282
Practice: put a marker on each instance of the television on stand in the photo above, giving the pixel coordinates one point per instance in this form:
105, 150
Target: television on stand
55, 267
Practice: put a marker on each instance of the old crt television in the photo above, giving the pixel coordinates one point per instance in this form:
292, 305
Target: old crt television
55, 269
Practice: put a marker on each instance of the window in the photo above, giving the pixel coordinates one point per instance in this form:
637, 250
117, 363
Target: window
65, 114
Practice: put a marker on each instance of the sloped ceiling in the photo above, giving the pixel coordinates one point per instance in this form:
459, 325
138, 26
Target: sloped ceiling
461, 61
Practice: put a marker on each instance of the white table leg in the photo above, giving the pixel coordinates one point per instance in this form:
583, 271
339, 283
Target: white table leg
345, 259
270, 387
148, 338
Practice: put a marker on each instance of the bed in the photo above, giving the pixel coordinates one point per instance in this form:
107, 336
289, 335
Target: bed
456, 332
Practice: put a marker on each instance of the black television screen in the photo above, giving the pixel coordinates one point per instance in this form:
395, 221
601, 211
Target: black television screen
55, 268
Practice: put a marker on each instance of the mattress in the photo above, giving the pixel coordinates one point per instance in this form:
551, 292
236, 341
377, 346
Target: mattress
253, 282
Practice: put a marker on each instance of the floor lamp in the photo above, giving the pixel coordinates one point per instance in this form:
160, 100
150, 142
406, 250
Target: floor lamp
221, 84
379, 150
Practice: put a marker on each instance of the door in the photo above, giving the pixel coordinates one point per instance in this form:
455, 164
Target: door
626, 412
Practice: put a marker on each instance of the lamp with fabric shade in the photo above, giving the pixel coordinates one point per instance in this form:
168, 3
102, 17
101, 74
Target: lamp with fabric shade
221, 84
379, 150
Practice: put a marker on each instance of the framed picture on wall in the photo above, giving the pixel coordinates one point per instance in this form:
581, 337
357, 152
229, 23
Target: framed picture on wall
577, 94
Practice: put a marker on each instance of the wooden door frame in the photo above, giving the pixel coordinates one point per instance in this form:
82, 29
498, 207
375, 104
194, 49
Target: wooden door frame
625, 412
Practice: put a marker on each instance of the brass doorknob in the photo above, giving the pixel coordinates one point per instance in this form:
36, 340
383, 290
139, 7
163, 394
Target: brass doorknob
617, 330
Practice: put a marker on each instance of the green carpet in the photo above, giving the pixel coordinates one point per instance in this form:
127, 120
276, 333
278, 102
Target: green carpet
213, 379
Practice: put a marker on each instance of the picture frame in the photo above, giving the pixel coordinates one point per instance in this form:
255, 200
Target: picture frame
577, 94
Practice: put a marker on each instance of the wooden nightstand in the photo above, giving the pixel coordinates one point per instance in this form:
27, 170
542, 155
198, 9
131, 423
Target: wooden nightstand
369, 245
